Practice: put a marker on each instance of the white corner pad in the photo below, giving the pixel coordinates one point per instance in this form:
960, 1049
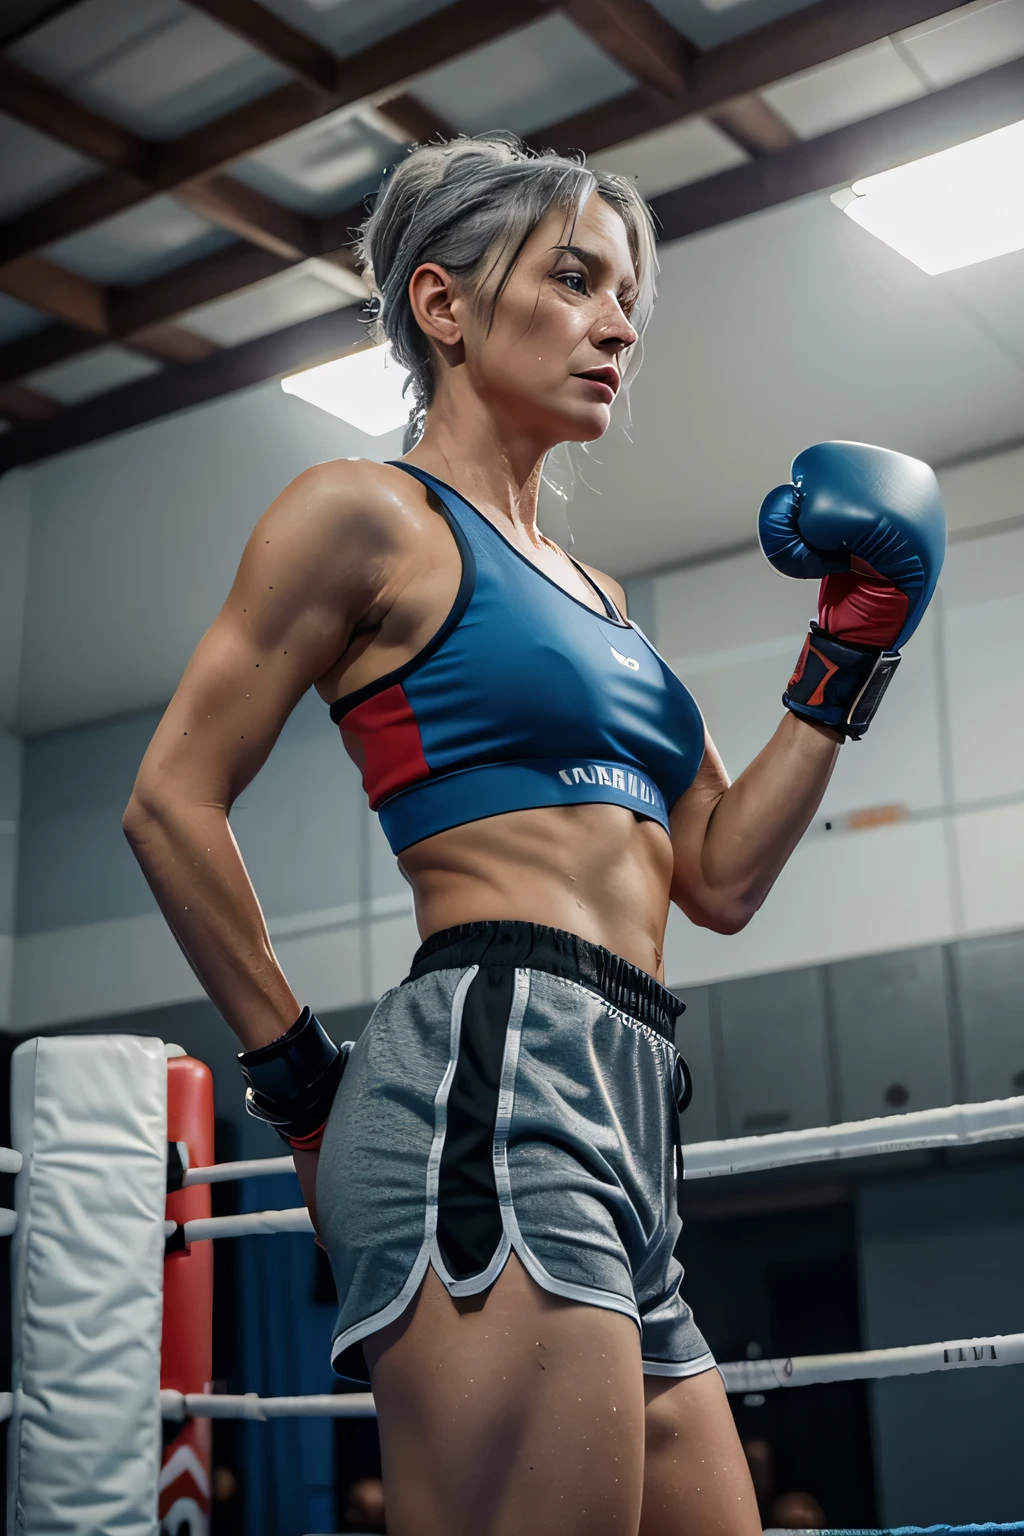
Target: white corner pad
89, 1115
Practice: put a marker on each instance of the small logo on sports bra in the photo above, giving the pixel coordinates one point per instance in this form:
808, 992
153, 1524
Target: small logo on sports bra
625, 661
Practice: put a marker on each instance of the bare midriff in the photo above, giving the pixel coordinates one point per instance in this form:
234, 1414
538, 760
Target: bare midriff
592, 870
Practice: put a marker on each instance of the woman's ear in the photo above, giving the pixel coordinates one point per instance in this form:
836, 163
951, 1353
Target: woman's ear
433, 299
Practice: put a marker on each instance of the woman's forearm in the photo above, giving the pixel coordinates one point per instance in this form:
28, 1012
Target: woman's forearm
194, 869
756, 823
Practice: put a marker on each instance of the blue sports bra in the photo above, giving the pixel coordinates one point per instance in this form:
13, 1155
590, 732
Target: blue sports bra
524, 697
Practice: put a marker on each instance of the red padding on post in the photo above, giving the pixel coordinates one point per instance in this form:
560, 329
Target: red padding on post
186, 1358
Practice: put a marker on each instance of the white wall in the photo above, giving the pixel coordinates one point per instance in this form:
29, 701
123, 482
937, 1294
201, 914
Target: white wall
90, 940
135, 541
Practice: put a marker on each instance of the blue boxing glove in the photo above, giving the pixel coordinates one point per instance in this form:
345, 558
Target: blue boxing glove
869, 524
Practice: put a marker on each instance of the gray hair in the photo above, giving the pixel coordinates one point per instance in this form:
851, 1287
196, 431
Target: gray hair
459, 202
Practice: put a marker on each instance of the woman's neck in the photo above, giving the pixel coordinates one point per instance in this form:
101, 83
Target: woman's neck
500, 476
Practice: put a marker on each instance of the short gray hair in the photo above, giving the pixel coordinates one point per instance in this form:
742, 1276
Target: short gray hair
456, 203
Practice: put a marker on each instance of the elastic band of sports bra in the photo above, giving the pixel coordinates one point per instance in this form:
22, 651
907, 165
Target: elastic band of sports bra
535, 947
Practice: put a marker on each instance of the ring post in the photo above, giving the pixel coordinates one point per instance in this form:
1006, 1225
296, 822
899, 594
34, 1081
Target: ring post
186, 1351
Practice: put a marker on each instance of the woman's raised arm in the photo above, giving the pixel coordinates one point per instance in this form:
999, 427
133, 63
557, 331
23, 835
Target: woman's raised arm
731, 841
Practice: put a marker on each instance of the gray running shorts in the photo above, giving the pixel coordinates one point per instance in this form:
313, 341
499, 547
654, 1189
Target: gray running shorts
517, 1093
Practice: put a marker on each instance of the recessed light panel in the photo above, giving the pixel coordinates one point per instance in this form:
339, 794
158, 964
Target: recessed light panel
364, 389
949, 210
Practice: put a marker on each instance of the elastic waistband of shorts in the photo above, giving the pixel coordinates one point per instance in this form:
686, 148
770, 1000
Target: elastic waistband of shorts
538, 948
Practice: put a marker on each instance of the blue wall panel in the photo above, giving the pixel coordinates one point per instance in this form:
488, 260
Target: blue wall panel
289, 1476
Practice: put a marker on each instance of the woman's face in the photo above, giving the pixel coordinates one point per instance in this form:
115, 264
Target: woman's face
550, 361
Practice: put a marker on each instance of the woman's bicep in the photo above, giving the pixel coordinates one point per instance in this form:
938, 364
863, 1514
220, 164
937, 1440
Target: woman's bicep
688, 825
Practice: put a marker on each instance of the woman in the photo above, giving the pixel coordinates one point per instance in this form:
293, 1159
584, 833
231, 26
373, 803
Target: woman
496, 1186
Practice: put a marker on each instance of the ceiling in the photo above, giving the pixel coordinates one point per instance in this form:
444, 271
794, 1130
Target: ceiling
179, 181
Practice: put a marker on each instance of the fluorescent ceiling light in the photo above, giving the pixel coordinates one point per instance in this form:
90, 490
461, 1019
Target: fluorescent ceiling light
364, 389
949, 210
721, 5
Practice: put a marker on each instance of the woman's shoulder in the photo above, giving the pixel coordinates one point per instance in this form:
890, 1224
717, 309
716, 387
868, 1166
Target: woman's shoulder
353, 483
359, 496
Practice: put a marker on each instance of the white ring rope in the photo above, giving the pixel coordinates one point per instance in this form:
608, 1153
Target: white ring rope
250, 1224
10, 1161
958, 1125
6, 1406
8, 1221
741, 1376
206, 1405
873, 1364
220, 1173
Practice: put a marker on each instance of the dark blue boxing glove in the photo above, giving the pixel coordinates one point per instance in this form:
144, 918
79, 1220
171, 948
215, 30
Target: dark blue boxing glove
869, 524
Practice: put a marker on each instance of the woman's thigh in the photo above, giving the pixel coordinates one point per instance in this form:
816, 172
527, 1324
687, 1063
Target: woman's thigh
511, 1412
695, 1474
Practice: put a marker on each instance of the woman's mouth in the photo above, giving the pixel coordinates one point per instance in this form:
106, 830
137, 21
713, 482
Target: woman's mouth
603, 383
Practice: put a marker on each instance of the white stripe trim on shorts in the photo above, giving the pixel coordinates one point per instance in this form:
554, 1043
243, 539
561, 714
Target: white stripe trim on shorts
395, 1308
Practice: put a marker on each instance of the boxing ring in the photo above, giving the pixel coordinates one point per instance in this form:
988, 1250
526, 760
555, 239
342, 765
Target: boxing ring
111, 1281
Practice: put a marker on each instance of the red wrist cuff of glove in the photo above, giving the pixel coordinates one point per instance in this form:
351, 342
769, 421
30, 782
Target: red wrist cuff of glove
310, 1143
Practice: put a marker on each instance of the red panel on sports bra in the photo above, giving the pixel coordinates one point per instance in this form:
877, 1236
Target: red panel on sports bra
392, 749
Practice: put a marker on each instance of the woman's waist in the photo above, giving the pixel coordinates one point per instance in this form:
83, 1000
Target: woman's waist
594, 871
510, 944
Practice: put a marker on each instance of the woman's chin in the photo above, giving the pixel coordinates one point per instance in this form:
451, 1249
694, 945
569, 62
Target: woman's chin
586, 426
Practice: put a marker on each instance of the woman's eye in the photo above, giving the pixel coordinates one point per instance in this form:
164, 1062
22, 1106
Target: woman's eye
572, 279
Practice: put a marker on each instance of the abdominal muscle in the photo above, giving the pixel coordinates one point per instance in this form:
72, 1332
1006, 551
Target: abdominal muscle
592, 870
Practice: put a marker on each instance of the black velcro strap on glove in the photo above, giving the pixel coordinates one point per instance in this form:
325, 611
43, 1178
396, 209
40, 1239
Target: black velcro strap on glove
838, 684
291, 1083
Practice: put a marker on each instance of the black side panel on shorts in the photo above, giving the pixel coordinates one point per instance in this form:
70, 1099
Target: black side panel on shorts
468, 1218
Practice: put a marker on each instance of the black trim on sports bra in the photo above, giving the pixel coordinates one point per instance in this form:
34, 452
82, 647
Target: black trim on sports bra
467, 583
610, 616
609, 607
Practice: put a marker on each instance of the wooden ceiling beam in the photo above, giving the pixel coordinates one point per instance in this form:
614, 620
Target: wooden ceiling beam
77, 208
189, 287
319, 340
221, 199
921, 127
251, 216
380, 69
18, 403
76, 302
752, 124
639, 38
805, 39
275, 39
224, 201
55, 291
411, 121
41, 349
171, 344
20, 18
133, 312
34, 101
